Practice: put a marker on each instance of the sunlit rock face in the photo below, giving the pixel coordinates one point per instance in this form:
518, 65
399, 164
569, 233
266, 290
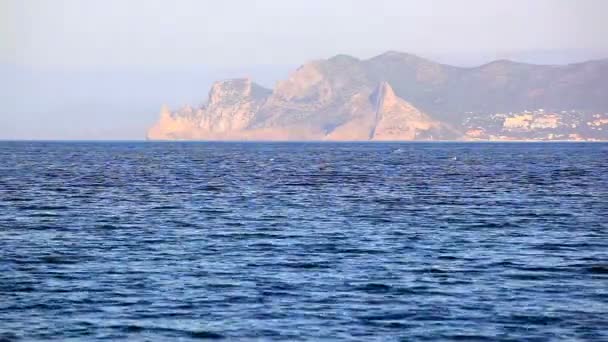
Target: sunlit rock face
397, 119
396, 97
312, 109
314, 97
381, 115
179, 125
230, 109
232, 105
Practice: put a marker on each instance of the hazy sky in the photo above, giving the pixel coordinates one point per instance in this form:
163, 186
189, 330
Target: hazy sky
100, 69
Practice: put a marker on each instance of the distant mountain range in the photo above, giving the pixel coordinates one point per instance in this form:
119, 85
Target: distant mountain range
399, 96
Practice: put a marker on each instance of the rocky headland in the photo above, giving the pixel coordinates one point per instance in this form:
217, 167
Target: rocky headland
397, 96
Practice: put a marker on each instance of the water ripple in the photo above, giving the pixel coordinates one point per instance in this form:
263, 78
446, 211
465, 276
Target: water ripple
260, 241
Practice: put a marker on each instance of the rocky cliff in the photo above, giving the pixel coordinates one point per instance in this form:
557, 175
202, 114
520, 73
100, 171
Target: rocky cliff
393, 96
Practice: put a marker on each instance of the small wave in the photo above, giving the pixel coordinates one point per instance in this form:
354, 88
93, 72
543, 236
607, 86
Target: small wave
107, 226
530, 276
375, 288
166, 207
599, 269
387, 317
297, 265
57, 260
306, 265
531, 319
465, 337
360, 251
212, 188
43, 207
43, 215
214, 211
198, 334
18, 199
299, 184
8, 337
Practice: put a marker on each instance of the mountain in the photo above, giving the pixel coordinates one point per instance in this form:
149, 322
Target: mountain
399, 96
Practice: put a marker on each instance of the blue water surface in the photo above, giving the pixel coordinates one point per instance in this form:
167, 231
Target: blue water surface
303, 241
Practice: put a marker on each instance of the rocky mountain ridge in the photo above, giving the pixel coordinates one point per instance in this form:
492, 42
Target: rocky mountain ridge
394, 96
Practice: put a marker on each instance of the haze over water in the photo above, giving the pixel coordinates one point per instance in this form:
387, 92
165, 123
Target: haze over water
290, 241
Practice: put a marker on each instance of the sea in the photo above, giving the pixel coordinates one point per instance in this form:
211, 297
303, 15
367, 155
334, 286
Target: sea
180, 241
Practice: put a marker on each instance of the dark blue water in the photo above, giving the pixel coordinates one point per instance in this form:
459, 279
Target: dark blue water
421, 241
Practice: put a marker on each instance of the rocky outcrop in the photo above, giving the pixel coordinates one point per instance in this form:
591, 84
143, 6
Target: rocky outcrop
309, 110
230, 109
232, 105
397, 119
383, 116
394, 96
180, 125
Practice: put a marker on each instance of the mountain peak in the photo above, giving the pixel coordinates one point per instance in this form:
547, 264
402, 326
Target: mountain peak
503, 63
386, 89
234, 90
398, 55
233, 83
383, 95
343, 58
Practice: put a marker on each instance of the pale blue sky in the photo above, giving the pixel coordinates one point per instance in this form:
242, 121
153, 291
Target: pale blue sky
100, 69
